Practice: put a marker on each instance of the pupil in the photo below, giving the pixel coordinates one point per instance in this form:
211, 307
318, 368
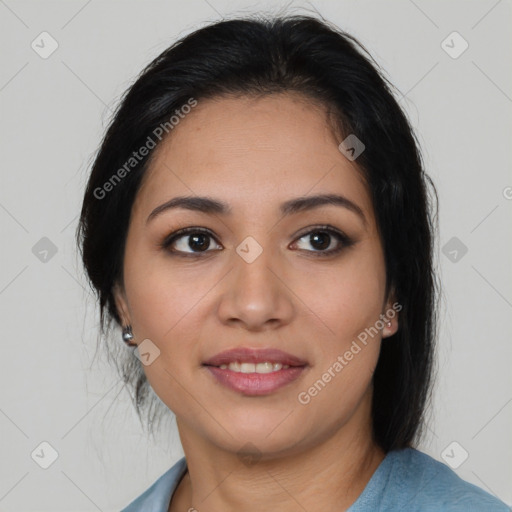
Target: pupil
199, 242
320, 240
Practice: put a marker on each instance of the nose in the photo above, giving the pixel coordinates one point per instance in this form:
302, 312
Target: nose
256, 295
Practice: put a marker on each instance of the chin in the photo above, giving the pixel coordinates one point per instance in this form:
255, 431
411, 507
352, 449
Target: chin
269, 436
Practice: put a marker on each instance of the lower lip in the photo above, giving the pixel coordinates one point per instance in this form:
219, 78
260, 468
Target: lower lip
256, 384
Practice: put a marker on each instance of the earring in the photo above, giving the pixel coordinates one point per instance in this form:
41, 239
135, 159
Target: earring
388, 324
128, 336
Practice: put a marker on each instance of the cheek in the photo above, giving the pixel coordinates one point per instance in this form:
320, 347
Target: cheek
336, 390
345, 298
349, 303
167, 306
164, 296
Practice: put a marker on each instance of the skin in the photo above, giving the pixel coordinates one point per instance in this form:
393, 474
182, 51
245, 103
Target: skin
254, 154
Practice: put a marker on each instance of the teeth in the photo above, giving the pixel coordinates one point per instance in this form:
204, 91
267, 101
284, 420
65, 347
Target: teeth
266, 367
234, 367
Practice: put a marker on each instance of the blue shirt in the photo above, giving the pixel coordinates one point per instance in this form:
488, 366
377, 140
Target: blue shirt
406, 480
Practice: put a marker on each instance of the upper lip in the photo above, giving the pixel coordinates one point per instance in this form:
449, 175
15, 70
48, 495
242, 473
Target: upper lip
251, 355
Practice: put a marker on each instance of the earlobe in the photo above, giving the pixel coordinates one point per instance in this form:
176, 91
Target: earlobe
391, 316
390, 328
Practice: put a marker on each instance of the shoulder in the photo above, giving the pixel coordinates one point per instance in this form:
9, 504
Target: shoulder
158, 496
411, 480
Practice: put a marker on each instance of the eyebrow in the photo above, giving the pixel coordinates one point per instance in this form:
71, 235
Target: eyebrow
209, 205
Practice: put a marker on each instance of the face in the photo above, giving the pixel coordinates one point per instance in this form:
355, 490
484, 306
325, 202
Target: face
263, 267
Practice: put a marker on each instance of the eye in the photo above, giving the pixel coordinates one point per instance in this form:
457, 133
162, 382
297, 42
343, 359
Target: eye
189, 241
324, 240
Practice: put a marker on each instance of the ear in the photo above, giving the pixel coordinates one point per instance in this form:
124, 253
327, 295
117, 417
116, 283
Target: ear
121, 304
391, 315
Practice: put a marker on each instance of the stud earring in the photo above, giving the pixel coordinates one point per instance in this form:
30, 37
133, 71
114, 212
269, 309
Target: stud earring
128, 336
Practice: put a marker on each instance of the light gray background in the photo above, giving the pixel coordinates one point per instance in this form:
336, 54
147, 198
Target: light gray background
53, 114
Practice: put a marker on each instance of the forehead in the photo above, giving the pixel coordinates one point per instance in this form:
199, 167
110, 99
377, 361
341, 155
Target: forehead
249, 151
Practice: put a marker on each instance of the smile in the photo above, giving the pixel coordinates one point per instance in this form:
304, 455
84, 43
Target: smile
266, 367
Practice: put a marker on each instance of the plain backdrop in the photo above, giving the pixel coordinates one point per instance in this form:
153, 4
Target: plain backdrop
54, 111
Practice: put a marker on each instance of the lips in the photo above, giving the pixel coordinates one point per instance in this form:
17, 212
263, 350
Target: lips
234, 370
255, 356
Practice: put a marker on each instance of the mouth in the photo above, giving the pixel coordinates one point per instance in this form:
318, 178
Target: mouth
246, 367
255, 372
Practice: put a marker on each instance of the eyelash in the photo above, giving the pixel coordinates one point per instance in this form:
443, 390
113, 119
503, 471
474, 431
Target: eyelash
344, 240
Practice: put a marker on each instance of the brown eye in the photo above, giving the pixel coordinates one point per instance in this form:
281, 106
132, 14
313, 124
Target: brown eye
324, 241
320, 240
189, 241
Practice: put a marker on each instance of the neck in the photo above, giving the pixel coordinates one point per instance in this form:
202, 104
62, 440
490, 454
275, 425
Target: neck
329, 475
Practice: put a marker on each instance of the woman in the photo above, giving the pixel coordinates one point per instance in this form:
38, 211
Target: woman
258, 222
